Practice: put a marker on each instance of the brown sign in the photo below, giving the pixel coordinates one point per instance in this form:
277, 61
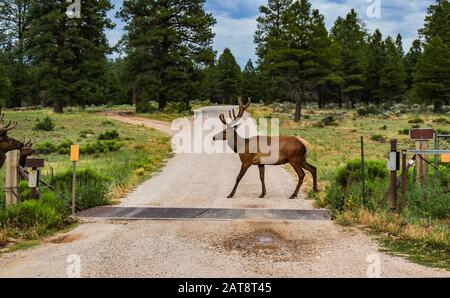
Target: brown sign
34, 163
421, 134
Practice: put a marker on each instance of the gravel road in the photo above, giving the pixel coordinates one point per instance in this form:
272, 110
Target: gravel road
209, 248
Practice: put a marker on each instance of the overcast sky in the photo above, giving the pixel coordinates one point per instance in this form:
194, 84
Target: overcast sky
236, 20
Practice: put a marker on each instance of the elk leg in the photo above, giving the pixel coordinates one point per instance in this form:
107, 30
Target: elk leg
301, 176
261, 176
313, 170
244, 169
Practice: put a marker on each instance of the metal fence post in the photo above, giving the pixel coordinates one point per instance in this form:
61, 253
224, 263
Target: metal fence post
394, 178
363, 177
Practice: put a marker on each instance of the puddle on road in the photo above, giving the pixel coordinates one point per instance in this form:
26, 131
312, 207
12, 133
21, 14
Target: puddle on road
270, 243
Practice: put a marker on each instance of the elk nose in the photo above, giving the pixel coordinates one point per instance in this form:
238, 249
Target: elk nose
214, 138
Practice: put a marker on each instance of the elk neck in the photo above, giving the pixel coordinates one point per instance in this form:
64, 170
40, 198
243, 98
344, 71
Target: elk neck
234, 141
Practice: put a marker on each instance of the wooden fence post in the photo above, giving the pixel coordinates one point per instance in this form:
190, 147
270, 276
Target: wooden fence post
422, 165
12, 177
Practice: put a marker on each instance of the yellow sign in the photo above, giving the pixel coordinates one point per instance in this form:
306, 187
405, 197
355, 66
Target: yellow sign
74, 152
446, 158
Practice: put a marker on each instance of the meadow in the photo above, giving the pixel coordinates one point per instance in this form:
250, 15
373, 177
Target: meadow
420, 230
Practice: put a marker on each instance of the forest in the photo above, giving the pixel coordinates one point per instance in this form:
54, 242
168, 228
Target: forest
166, 57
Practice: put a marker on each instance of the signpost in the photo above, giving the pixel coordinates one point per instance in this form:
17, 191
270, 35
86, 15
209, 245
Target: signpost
34, 174
74, 157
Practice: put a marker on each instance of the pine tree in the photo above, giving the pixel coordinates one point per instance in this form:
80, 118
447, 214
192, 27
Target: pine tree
375, 64
69, 54
437, 22
250, 82
5, 84
14, 24
269, 40
432, 80
399, 46
349, 34
167, 42
228, 77
410, 62
393, 74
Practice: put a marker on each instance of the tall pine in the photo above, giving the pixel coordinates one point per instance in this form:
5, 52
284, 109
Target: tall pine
410, 62
228, 77
392, 79
375, 64
250, 82
166, 42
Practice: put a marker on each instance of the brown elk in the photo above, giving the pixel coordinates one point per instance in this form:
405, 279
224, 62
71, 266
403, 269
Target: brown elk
7, 143
26, 151
253, 151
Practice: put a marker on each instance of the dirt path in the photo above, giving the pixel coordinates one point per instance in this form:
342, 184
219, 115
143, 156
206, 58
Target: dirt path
200, 248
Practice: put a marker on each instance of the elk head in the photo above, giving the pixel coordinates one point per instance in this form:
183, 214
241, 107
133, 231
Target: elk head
8, 143
231, 127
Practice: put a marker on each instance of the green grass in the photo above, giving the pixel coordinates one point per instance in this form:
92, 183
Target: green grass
144, 150
424, 240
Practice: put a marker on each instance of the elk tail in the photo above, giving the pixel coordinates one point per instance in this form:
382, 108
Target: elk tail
305, 143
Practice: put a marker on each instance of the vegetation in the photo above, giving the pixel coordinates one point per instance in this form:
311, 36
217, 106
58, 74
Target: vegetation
107, 168
420, 231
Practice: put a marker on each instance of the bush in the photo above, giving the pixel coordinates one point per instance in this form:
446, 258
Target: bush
64, 147
373, 169
175, 107
84, 133
45, 124
100, 147
45, 148
416, 121
327, 121
441, 121
42, 216
404, 131
109, 135
379, 138
368, 110
92, 188
384, 127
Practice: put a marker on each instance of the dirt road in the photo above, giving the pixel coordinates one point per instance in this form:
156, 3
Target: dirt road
207, 248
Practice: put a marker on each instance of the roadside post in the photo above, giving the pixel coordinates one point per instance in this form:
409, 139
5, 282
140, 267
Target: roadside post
12, 178
363, 178
34, 164
74, 157
394, 166
421, 136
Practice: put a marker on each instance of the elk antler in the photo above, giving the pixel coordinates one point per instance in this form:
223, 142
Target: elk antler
4, 129
235, 118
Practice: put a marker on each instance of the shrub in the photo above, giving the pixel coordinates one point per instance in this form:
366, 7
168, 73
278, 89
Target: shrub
384, 127
441, 121
175, 107
109, 135
107, 122
368, 110
92, 188
45, 124
379, 138
64, 147
100, 147
84, 133
43, 216
45, 148
404, 131
373, 169
416, 121
327, 121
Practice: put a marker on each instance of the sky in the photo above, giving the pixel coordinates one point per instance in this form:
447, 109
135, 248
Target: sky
236, 20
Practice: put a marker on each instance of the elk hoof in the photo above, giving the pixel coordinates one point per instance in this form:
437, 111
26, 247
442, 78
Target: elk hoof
262, 196
293, 197
230, 196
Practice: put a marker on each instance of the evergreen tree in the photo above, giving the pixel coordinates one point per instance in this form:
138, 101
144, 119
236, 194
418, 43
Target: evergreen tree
393, 74
410, 62
437, 22
432, 79
5, 84
69, 54
399, 46
14, 24
375, 64
250, 82
228, 78
269, 40
167, 42
349, 34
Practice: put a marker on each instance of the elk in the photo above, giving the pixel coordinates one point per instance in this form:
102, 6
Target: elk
292, 150
26, 151
6, 143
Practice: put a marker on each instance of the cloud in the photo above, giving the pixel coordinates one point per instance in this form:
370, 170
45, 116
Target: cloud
236, 20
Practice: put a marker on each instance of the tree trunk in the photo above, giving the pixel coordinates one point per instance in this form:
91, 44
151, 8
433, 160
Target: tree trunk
58, 107
438, 106
135, 96
340, 97
298, 109
42, 98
